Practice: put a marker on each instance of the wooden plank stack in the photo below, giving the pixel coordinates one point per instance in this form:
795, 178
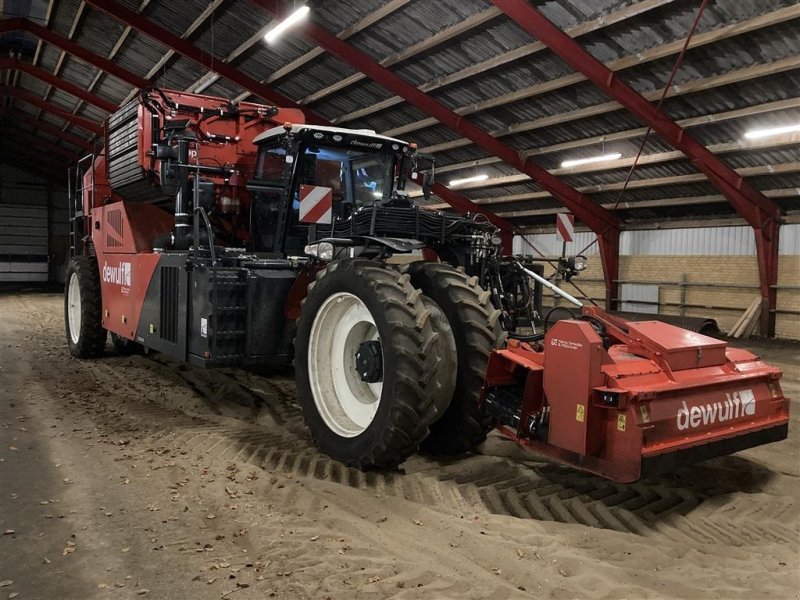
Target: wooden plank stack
747, 323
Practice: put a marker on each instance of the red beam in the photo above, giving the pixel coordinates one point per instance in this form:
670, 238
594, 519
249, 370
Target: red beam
187, 49
87, 124
74, 49
18, 115
24, 159
31, 156
588, 211
47, 148
465, 205
47, 77
597, 218
760, 212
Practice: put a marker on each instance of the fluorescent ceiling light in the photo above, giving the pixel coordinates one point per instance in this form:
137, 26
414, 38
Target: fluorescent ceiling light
756, 134
469, 179
592, 159
290, 21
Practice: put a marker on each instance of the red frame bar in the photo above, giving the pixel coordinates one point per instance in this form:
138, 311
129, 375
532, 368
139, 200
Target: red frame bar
184, 48
763, 215
62, 84
86, 124
72, 48
598, 219
187, 49
55, 169
51, 129
43, 145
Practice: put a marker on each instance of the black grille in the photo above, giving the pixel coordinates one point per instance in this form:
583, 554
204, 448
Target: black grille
126, 175
169, 304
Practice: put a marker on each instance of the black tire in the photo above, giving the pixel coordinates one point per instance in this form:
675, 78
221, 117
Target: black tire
407, 338
477, 331
125, 346
90, 338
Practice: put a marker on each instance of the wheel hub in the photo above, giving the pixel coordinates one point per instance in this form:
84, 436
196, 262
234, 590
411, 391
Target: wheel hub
369, 361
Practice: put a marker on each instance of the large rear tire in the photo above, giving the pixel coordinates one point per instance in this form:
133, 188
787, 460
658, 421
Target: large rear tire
477, 331
86, 336
362, 365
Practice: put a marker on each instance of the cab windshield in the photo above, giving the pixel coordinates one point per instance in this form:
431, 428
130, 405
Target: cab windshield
357, 177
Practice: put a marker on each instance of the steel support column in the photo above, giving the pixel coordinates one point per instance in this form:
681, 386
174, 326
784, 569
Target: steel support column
763, 215
598, 219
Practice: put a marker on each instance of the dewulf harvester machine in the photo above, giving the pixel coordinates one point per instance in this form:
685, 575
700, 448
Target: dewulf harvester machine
235, 235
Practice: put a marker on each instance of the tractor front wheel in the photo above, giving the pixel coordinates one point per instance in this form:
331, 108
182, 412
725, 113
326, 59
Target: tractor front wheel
86, 336
363, 348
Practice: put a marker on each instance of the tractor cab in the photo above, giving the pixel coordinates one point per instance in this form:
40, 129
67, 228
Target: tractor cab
313, 176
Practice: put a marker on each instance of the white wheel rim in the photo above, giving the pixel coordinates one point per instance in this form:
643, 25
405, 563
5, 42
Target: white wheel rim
345, 402
74, 308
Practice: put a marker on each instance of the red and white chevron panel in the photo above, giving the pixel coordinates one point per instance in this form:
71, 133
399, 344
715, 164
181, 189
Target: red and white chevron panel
565, 227
316, 204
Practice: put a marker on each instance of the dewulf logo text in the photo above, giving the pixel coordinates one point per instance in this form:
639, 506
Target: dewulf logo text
737, 404
121, 275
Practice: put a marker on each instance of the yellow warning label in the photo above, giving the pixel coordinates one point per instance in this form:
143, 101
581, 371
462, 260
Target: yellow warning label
580, 413
645, 414
620, 422
152, 328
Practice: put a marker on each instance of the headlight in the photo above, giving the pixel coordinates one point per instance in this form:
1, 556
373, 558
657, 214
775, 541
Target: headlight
322, 250
577, 263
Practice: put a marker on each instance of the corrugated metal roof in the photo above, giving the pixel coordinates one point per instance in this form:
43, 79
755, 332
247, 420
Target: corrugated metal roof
540, 121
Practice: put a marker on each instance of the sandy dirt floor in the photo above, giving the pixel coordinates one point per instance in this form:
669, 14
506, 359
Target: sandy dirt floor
135, 477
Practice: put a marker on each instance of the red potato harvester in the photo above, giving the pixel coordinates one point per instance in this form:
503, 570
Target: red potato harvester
234, 235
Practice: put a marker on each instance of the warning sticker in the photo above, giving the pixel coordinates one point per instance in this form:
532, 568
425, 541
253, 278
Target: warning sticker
580, 413
620, 422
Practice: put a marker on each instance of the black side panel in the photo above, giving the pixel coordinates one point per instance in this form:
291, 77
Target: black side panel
162, 324
170, 285
218, 316
269, 334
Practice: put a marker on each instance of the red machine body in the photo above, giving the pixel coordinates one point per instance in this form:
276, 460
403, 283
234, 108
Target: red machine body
647, 400
124, 210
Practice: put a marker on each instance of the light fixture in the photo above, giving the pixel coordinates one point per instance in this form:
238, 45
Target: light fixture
483, 177
592, 159
756, 134
290, 21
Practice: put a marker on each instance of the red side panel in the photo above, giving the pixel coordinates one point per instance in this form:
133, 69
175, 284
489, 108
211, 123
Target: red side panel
123, 237
124, 279
571, 370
